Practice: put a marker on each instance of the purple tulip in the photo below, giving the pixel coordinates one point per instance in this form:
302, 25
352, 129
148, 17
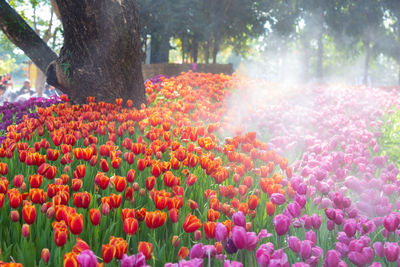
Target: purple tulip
300, 264
357, 258
87, 258
392, 251
278, 199
239, 237
230, 246
221, 233
376, 264
239, 219
282, 224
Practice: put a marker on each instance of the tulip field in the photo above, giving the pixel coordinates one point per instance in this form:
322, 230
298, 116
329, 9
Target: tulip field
307, 177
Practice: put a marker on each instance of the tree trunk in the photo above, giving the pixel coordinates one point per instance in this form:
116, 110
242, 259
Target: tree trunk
207, 52
20, 34
320, 57
215, 50
159, 48
195, 50
183, 50
101, 54
306, 59
367, 58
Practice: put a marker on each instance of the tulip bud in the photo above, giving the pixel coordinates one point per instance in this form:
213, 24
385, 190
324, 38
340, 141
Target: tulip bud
50, 212
142, 192
44, 208
197, 235
105, 209
135, 187
25, 230
175, 241
45, 255
14, 215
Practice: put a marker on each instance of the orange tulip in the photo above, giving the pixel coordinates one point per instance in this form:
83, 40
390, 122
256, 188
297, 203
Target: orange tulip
1, 200
209, 230
253, 202
270, 207
183, 253
146, 248
191, 223
212, 215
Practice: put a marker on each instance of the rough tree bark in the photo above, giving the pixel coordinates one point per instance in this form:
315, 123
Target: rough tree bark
101, 54
23, 36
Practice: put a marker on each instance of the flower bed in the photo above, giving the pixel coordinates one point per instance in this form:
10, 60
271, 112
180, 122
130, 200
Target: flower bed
102, 184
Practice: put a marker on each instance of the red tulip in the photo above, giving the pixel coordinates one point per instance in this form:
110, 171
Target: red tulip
94, 216
130, 226
75, 223
29, 214
25, 231
146, 248
45, 255
70, 260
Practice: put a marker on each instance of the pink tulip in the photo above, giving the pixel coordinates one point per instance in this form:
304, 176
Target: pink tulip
263, 255
221, 233
228, 263
239, 219
294, 244
196, 251
332, 258
312, 237
305, 249
350, 227
392, 251
252, 241
282, 224
278, 199
239, 237
294, 209
379, 250
391, 222
330, 213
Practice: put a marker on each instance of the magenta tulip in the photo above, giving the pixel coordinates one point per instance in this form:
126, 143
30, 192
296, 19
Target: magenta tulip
282, 224
239, 237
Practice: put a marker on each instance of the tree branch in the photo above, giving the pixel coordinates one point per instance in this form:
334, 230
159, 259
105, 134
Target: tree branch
22, 35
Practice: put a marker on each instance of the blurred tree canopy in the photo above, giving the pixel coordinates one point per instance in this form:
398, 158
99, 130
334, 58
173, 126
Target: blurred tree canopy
323, 33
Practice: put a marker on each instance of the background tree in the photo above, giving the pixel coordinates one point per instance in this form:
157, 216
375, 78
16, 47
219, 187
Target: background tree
101, 54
